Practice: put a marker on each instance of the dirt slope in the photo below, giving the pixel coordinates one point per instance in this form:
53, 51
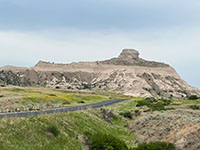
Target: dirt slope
181, 126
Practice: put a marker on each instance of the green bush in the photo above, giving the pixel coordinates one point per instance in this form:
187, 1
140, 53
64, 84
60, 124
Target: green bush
101, 141
30, 108
155, 146
146, 102
52, 94
54, 130
137, 113
193, 97
195, 107
66, 102
157, 107
127, 114
142, 103
153, 104
166, 102
81, 102
151, 99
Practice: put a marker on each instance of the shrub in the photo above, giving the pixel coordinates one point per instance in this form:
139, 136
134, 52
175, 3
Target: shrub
195, 107
142, 103
66, 102
52, 94
157, 107
54, 130
137, 113
193, 97
146, 102
151, 99
127, 114
107, 115
30, 108
153, 104
155, 146
166, 102
81, 102
101, 141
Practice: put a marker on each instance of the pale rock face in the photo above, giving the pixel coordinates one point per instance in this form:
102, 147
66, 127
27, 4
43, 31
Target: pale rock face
127, 74
129, 54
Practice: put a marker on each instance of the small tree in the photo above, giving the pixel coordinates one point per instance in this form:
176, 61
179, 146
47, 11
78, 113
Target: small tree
193, 97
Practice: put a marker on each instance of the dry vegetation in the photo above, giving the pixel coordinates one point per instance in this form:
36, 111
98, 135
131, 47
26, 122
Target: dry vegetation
14, 99
133, 122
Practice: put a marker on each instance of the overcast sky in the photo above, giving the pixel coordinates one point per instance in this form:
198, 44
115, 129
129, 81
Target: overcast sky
64, 31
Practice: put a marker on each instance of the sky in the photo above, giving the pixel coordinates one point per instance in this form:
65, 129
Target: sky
64, 31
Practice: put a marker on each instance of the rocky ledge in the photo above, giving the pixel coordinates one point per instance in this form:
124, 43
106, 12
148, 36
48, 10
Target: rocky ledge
130, 57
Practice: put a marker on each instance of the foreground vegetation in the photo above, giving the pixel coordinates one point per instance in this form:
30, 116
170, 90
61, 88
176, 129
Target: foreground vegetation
101, 129
101, 141
22, 99
58, 131
155, 146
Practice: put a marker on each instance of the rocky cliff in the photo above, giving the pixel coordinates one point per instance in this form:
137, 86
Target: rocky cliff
128, 74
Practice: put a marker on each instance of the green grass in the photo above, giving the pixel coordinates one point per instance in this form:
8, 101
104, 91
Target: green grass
31, 133
155, 146
125, 106
186, 102
104, 141
18, 96
154, 104
68, 129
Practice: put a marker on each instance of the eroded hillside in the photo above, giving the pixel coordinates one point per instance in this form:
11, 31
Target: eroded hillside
128, 74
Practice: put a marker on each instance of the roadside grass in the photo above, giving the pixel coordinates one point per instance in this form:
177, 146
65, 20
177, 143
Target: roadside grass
69, 129
179, 102
128, 106
125, 106
34, 96
31, 133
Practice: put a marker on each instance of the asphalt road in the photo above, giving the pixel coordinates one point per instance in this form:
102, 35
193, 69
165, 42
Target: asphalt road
60, 110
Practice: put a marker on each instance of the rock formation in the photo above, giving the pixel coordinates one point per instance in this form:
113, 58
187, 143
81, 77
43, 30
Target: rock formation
128, 74
130, 57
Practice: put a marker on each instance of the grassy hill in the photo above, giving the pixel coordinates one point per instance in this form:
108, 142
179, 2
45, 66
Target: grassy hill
20, 99
130, 121
38, 132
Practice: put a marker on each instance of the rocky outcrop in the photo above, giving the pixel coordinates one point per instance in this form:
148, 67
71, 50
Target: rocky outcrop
128, 74
130, 57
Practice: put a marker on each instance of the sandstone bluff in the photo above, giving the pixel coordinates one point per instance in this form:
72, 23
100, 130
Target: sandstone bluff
128, 74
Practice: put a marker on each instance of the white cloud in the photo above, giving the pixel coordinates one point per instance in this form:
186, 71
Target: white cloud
68, 45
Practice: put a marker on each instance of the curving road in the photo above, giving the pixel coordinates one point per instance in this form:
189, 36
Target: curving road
60, 110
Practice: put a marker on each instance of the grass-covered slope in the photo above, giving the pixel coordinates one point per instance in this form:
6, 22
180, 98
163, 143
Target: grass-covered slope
69, 131
20, 99
33, 133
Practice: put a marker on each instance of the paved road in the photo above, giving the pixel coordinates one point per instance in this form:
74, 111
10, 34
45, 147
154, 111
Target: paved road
60, 110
